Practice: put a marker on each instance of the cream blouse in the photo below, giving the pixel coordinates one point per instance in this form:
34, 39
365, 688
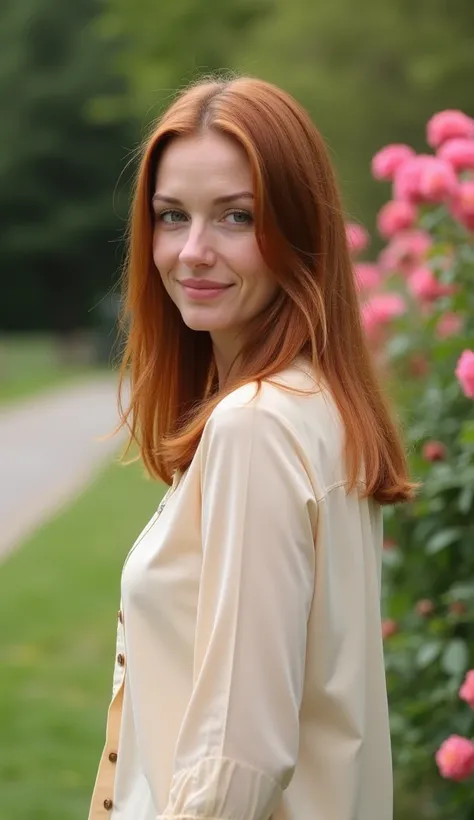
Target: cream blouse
249, 677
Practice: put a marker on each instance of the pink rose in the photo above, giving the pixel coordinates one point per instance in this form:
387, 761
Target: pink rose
434, 451
424, 607
455, 758
466, 691
357, 237
367, 276
465, 373
405, 251
446, 125
380, 310
459, 153
425, 178
438, 182
448, 325
462, 217
462, 207
388, 159
389, 628
423, 285
395, 216
465, 196
406, 180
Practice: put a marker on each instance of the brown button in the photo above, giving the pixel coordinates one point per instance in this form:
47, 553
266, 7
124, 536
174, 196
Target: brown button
121, 660
108, 804
113, 757
120, 616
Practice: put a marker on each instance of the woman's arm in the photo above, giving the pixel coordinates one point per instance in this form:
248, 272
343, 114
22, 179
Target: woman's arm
238, 743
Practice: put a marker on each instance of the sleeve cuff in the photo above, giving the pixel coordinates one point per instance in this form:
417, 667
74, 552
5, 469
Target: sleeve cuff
221, 789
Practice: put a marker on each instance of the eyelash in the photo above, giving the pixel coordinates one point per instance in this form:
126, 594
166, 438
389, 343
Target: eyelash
160, 216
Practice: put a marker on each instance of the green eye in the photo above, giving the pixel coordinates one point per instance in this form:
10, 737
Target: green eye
171, 217
240, 217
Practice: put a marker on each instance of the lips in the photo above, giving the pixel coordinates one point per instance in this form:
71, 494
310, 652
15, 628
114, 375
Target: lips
203, 284
203, 290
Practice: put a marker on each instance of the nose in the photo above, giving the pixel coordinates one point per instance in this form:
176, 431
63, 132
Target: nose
197, 250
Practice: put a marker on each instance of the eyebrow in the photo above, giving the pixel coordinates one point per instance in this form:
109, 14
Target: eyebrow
218, 201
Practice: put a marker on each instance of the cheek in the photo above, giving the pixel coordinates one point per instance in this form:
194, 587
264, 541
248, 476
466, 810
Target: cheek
267, 289
256, 275
246, 259
163, 259
164, 252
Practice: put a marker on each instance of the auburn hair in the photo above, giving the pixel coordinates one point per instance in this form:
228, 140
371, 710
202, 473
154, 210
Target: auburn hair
300, 230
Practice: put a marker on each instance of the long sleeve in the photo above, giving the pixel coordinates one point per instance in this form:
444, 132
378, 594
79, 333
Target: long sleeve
238, 744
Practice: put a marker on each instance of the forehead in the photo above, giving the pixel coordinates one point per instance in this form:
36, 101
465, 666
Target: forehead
208, 161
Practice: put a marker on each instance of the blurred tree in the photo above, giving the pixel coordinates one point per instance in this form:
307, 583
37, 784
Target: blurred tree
166, 45
369, 74
79, 84
58, 167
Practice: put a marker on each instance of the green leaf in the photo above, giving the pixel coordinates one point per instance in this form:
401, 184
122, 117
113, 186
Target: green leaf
398, 724
465, 499
455, 657
399, 346
466, 435
392, 558
428, 653
442, 540
461, 592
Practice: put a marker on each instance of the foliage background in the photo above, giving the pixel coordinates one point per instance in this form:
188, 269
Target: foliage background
79, 84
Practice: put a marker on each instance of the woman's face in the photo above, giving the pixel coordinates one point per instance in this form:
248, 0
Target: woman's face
204, 243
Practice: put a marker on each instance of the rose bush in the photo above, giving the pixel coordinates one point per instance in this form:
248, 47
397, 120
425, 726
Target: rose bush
417, 302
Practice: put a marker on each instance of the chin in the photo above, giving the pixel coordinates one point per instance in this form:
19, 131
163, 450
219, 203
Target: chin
196, 325
205, 324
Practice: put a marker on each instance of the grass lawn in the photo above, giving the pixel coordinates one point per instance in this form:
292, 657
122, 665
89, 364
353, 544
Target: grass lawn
29, 364
59, 596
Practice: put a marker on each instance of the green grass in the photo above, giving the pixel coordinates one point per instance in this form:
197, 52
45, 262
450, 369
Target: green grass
30, 364
59, 595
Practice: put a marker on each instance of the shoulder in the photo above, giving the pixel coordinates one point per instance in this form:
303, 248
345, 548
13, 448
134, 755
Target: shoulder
261, 407
295, 398
293, 419
254, 432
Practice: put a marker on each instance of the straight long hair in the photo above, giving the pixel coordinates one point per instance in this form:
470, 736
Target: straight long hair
301, 234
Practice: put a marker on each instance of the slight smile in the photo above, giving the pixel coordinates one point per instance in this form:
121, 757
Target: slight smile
202, 289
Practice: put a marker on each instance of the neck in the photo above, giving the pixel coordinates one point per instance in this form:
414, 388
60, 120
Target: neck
226, 352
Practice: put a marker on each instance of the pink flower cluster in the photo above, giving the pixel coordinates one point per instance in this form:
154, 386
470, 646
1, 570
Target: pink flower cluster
462, 206
448, 125
465, 373
394, 217
381, 309
358, 238
444, 177
429, 178
423, 285
466, 691
406, 253
455, 756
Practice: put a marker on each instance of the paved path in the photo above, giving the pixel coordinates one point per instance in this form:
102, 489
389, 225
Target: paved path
49, 451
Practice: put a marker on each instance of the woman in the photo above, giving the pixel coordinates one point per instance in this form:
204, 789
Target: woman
249, 680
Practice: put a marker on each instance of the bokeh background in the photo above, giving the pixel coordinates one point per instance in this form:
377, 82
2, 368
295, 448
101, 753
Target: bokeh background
79, 85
